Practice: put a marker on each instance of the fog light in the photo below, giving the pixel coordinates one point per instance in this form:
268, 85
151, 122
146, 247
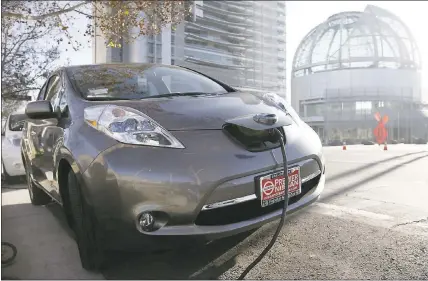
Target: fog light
147, 222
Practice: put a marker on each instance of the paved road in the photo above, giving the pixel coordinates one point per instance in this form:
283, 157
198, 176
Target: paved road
372, 222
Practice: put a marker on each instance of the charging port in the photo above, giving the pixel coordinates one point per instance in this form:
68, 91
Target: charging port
253, 140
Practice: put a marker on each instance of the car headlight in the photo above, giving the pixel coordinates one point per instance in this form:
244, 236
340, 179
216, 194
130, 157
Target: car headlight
130, 126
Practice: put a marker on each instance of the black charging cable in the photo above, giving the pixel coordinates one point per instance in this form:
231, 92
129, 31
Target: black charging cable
284, 209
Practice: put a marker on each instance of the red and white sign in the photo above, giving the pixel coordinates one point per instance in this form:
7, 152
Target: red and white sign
272, 187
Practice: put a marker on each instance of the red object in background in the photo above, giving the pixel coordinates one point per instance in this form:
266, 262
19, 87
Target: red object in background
380, 131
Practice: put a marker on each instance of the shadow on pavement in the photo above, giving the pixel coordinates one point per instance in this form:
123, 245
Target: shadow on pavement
44, 249
186, 263
6, 189
192, 262
59, 215
368, 179
368, 166
181, 263
17, 182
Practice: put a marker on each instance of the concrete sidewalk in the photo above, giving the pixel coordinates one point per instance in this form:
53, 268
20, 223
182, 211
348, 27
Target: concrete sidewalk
46, 249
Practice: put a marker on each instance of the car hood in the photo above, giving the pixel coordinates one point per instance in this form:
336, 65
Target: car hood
204, 112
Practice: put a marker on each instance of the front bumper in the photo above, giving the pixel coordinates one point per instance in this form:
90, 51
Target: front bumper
124, 236
220, 231
125, 180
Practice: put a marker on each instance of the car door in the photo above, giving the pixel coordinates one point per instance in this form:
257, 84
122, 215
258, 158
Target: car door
40, 138
4, 143
56, 135
30, 142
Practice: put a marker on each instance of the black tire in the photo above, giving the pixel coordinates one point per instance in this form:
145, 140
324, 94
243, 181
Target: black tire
84, 226
37, 196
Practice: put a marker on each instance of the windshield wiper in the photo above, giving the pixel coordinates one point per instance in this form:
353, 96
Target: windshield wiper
182, 94
136, 97
105, 98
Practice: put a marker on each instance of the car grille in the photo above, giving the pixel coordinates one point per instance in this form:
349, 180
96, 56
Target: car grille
248, 210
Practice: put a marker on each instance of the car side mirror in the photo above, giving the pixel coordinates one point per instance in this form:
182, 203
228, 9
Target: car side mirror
41, 109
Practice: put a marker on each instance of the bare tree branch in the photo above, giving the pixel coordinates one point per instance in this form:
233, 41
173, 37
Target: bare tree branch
13, 93
19, 44
44, 16
28, 54
117, 20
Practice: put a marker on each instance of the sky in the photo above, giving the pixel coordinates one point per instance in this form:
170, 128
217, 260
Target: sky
302, 16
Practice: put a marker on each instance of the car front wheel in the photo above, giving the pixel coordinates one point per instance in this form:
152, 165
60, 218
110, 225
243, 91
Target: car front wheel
84, 226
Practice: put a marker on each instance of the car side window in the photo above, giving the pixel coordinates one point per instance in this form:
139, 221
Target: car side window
53, 91
42, 92
3, 127
62, 101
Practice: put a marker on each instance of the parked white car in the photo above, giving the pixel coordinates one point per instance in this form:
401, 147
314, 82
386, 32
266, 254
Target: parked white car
11, 160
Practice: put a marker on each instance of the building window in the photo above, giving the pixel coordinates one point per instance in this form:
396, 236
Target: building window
363, 107
151, 48
159, 60
335, 107
116, 54
314, 110
159, 49
151, 60
348, 108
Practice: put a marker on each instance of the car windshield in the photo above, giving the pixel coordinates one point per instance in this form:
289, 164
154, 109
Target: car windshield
139, 81
16, 122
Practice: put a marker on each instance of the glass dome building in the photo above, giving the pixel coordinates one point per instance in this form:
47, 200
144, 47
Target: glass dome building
356, 64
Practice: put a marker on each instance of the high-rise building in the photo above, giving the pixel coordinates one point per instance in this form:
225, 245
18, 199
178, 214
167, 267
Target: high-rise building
239, 42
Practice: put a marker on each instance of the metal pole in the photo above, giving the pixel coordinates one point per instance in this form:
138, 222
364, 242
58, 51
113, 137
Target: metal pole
398, 130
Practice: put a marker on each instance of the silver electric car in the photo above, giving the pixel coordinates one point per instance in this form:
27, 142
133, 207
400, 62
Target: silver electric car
137, 154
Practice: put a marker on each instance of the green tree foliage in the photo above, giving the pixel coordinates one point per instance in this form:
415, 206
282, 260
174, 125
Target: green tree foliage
33, 30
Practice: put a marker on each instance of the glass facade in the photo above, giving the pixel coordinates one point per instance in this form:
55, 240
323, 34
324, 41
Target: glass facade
351, 109
373, 38
354, 65
241, 43
354, 120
